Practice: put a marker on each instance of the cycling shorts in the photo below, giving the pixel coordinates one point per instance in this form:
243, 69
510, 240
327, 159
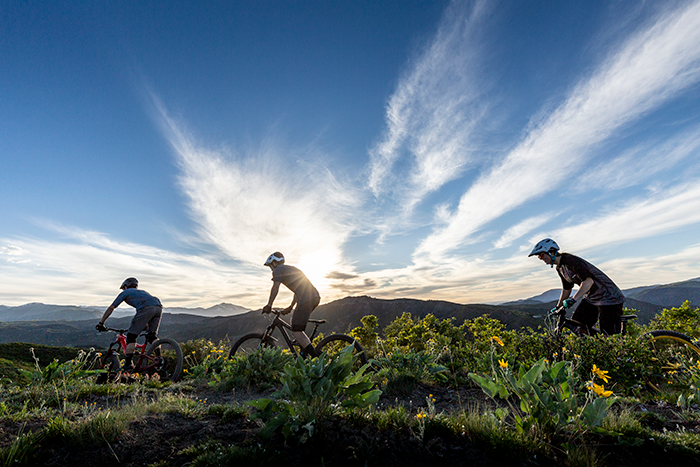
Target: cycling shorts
147, 318
610, 316
302, 313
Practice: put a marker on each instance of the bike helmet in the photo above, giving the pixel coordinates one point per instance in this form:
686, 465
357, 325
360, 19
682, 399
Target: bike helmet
130, 283
548, 246
276, 256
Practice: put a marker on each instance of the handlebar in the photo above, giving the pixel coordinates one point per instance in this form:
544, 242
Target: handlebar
119, 331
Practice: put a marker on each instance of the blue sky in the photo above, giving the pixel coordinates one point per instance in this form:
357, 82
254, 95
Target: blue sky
393, 149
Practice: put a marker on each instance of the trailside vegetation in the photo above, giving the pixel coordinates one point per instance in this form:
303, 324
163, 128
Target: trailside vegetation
433, 390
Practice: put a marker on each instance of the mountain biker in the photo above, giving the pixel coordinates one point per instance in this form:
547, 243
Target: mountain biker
148, 314
598, 296
306, 298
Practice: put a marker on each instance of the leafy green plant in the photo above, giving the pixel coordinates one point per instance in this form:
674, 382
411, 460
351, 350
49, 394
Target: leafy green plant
546, 395
77, 368
311, 390
402, 371
683, 319
367, 334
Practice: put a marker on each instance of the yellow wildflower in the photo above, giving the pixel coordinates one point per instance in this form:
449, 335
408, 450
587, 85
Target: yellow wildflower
602, 374
599, 389
503, 363
498, 340
421, 415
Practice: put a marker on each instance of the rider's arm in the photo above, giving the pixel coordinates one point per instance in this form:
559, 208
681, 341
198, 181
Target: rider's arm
273, 293
584, 288
565, 293
108, 312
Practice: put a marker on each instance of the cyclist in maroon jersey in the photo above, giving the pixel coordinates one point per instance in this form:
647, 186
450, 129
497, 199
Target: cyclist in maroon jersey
598, 297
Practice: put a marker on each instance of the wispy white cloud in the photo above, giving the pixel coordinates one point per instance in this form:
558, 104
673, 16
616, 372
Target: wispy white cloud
662, 212
650, 68
522, 228
251, 205
639, 164
86, 268
433, 112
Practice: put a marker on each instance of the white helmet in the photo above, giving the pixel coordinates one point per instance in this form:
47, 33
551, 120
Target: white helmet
545, 246
276, 256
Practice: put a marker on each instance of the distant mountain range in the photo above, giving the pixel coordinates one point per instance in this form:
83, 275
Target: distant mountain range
74, 326
664, 296
42, 312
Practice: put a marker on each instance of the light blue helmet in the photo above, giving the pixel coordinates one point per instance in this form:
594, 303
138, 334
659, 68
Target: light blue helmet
548, 246
545, 246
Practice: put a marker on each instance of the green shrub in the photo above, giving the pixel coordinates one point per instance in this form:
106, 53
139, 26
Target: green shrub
683, 319
311, 390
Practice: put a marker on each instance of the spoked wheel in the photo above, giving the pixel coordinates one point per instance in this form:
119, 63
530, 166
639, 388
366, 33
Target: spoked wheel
164, 358
337, 342
251, 343
674, 353
110, 362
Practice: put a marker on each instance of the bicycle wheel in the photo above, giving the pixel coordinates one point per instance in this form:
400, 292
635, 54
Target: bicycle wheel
337, 342
110, 362
250, 343
673, 353
164, 358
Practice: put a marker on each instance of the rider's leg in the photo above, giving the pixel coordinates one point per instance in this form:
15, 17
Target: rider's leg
130, 347
299, 320
611, 319
587, 314
145, 318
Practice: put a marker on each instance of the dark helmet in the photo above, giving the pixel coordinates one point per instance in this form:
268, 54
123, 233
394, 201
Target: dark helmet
276, 256
130, 283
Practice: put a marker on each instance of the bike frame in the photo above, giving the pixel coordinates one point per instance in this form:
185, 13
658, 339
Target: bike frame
140, 350
283, 326
577, 327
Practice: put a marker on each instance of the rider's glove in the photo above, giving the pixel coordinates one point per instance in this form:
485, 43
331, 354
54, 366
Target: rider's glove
569, 302
267, 309
100, 327
287, 310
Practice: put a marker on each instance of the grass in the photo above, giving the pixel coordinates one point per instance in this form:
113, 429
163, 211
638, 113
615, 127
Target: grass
71, 415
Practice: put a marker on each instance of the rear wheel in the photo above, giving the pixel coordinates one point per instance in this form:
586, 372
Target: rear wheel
337, 342
251, 343
164, 358
674, 353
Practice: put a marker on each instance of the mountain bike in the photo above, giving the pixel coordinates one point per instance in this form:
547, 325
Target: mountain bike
162, 359
331, 344
670, 348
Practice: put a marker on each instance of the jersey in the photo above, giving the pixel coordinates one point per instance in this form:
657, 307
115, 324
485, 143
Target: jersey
574, 270
296, 281
137, 298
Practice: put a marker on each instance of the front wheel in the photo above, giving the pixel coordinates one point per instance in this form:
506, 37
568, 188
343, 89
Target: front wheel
674, 352
164, 358
251, 343
109, 362
337, 342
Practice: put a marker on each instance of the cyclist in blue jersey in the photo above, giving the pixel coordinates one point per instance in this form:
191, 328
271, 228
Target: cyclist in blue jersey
598, 297
148, 313
306, 298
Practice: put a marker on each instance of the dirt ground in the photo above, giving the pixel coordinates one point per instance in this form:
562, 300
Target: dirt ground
163, 439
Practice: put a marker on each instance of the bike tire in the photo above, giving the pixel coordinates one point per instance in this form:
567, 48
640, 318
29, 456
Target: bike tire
169, 359
110, 362
250, 343
670, 349
336, 342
